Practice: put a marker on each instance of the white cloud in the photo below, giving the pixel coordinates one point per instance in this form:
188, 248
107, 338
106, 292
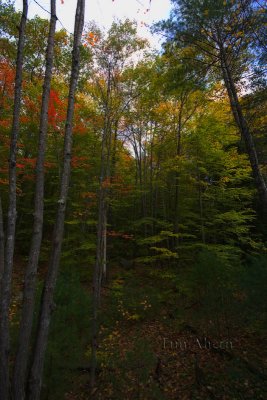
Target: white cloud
105, 11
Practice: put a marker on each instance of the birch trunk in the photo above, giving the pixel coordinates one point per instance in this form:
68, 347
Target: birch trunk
23, 350
35, 378
12, 214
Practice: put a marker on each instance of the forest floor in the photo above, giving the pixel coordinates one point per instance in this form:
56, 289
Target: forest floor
152, 345
148, 350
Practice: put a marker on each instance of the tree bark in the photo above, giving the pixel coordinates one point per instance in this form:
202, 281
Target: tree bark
22, 356
97, 278
244, 129
104, 278
35, 378
178, 154
12, 214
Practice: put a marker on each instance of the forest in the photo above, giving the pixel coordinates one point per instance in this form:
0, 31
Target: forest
133, 205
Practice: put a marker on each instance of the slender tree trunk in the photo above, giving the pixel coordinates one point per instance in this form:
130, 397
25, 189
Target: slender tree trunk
151, 186
100, 264
100, 268
178, 153
105, 175
203, 238
35, 378
12, 214
113, 169
2, 244
105, 247
114, 152
97, 278
244, 130
22, 356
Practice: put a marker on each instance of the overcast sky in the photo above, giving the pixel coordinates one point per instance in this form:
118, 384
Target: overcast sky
104, 11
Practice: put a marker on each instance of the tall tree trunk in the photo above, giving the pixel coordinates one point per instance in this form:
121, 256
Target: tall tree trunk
35, 378
113, 170
151, 184
201, 211
178, 153
12, 214
104, 278
22, 356
100, 264
97, 278
100, 267
244, 129
104, 183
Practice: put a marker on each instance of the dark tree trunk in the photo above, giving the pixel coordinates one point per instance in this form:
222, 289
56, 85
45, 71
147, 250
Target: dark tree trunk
100, 264
244, 130
2, 244
97, 278
22, 356
35, 378
12, 214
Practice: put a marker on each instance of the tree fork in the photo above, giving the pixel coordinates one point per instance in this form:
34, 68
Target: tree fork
23, 350
35, 377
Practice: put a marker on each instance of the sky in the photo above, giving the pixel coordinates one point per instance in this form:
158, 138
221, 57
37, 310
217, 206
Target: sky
105, 11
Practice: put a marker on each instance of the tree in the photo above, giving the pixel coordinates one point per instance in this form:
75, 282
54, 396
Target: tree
112, 55
35, 378
160, 190
185, 92
22, 356
5, 292
217, 35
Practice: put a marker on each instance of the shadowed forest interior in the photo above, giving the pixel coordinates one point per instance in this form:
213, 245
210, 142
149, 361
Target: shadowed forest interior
133, 205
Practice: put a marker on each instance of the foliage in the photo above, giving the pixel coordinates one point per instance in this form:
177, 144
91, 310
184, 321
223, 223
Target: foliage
186, 245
